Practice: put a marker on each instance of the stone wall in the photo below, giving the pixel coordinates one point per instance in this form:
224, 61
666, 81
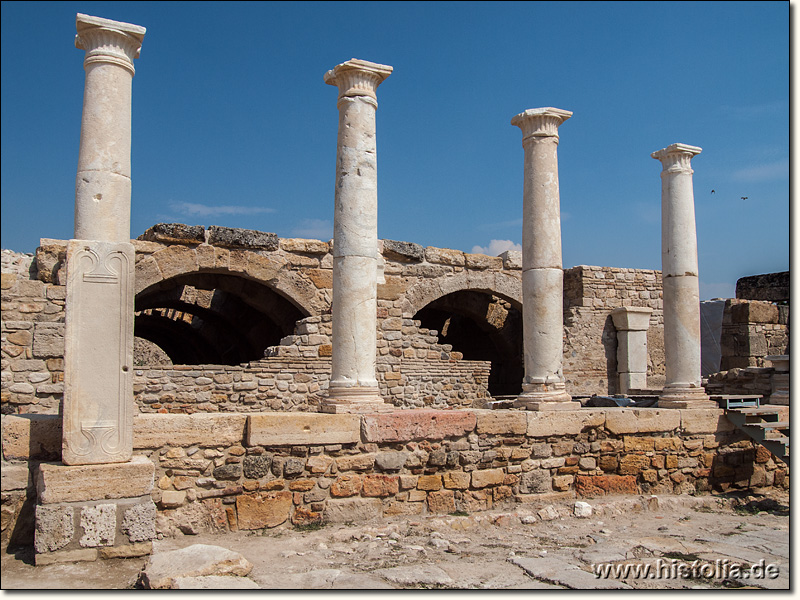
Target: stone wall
772, 287
252, 471
590, 339
752, 330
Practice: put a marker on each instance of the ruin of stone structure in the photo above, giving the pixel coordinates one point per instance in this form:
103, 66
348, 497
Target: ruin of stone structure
225, 418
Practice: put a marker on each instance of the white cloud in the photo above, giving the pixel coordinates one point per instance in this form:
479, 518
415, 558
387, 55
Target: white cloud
496, 247
202, 210
316, 229
768, 172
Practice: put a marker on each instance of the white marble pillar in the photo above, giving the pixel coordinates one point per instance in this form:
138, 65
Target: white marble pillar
683, 388
98, 355
632, 323
543, 387
353, 386
103, 182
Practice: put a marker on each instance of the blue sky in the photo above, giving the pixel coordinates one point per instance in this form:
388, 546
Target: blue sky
233, 125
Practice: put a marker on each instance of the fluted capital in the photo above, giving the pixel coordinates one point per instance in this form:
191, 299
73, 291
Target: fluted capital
540, 122
108, 41
357, 78
677, 158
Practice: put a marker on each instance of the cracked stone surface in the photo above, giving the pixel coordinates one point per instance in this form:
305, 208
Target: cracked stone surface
488, 550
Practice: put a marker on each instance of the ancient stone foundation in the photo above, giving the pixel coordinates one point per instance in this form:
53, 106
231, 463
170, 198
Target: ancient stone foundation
221, 472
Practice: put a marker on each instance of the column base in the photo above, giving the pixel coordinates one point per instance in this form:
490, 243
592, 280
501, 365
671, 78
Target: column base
685, 397
541, 397
356, 399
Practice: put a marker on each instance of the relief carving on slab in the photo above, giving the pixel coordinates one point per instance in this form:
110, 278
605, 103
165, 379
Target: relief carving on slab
98, 391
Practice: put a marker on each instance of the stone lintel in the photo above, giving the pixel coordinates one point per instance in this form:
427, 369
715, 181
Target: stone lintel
496, 422
286, 429
631, 318
56, 482
704, 420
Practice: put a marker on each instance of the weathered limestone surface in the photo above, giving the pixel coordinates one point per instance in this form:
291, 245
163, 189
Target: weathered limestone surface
98, 357
205, 429
197, 560
62, 483
288, 429
542, 275
355, 235
683, 388
416, 425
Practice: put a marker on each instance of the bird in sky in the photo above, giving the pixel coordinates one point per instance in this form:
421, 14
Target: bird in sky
712, 191
744, 197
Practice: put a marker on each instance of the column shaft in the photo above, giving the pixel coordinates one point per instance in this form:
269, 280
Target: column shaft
353, 386
542, 275
681, 287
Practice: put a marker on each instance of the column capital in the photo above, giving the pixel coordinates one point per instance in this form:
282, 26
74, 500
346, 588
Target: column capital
107, 41
540, 122
357, 78
631, 318
677, 158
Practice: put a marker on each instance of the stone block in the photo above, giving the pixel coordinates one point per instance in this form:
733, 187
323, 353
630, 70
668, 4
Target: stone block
48, 340
390, 461
403, 251
99, 524
380, 486
175, 233
429, 482
265, 509
355, 462
754, 311
256, 467
172, 499
563, 422
441, 502
456, 480
139, 522
601, 485
444, 256
199, 429
64, 483
633, 464
197, 560
31, 437
14, 477
66, 556
304, 246
639, 444
55, 527
641, 420
353, 510
284, 429
126, 551
501, 422
346, 486
487, 477
230, 237
703, 420
416, 425
535, 482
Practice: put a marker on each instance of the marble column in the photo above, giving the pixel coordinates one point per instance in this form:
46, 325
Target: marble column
353, 386
98, 355
543, 387
681, 287
632, 323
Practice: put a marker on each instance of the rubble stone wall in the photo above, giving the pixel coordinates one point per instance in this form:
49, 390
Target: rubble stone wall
231, 471
752, 330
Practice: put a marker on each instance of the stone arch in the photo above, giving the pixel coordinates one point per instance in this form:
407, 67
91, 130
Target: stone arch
479, 315
500, 284
208, 305
268, 270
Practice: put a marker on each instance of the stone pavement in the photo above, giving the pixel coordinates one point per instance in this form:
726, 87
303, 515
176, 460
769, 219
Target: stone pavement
534, 546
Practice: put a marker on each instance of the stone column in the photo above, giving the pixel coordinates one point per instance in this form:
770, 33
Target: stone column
543, 387
353, 386
683, 388
103, 183
98, 355
631, 323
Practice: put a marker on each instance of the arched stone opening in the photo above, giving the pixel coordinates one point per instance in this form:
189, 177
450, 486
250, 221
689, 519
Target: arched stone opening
482, 326
213, 318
